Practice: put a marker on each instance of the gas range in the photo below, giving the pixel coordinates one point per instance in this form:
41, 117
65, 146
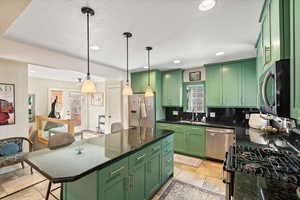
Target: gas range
265, 162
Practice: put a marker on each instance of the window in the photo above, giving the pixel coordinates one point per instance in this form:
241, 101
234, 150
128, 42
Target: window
195, 98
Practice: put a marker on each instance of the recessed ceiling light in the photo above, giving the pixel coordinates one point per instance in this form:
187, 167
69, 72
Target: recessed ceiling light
95, 47
177, 61
220, 53
32, 71
207, 5
146, 67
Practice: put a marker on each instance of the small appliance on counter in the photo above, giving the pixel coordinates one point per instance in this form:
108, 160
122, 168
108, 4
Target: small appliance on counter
257, 122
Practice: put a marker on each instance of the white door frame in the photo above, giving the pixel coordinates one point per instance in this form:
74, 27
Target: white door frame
110, 85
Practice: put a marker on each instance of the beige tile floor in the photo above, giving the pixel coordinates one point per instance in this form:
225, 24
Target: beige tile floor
207, 175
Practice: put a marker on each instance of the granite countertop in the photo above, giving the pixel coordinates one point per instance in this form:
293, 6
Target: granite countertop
249, 187
65, 165
208, 124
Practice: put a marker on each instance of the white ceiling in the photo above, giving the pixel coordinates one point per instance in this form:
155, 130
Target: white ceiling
58, 74
175, 28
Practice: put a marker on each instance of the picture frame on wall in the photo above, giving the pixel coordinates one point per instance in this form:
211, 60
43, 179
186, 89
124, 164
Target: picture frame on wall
7, 104
97, 99
31, 108
195, 76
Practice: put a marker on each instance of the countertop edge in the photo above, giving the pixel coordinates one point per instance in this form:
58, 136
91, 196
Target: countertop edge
96, 168
206, 124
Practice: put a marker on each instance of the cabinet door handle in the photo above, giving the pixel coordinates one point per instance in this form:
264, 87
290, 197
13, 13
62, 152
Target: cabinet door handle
116, 171
142, 156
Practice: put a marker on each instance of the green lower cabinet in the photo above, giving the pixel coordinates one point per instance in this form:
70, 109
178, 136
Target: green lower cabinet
188, 139
114, 181
136, 177
153, 174
180, 141
84, 188
137, 181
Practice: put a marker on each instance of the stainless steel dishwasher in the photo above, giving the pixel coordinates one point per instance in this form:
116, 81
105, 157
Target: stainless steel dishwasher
218, 141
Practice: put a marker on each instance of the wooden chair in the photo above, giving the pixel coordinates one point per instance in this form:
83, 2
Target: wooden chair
57, 141
17, 158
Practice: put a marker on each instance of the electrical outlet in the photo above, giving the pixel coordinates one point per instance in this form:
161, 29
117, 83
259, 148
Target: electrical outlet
176, 113
212, 114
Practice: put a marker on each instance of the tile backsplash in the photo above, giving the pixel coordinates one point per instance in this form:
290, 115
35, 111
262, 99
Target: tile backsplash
230, 116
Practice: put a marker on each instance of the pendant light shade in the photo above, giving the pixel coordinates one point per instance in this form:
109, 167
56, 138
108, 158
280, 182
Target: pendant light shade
127, 90
88, 85
149, 92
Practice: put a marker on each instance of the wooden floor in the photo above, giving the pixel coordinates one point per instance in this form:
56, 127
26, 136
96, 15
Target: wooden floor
207, 175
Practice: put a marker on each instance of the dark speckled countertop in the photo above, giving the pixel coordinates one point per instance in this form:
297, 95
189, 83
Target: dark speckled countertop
65, 165
249, 187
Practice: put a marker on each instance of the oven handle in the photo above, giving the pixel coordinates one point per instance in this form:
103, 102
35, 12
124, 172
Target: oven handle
264, 89
223, 175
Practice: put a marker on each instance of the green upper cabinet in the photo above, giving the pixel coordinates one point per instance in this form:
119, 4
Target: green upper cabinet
139, 82
249, 84
172, 88
232, 84
275, 36
259, 57
295, 59
214, 85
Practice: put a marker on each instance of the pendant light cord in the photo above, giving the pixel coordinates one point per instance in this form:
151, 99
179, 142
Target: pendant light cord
149, 68
88, 44
127, 61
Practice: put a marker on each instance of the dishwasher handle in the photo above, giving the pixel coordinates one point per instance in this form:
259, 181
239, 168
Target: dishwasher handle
220, 131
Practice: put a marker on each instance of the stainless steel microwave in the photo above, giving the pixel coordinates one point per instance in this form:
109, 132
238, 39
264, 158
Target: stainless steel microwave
275, 89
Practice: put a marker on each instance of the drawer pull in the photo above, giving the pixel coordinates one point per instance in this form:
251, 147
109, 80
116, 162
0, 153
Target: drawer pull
116, 171
142, 156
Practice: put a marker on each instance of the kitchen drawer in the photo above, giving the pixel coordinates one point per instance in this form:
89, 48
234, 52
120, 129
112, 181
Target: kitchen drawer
115, 171
138, 158
154, 148
162, 125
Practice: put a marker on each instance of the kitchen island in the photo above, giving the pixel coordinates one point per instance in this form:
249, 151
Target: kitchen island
131, 164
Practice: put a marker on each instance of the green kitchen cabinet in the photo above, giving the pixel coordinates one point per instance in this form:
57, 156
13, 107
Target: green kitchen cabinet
167, 158
139, 82
114, 181
214, 85
188, 139
295, 60
195, 141
172, 88
85, 188
231, 84
249, 84
275, 26
180, 141
266, 34
153, 170
259, 57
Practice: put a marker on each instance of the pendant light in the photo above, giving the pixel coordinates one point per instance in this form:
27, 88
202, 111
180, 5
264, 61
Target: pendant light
127, 90
149, 91
88, 85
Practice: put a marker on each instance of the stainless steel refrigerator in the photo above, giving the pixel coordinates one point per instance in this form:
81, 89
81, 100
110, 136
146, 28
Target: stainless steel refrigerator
141, 111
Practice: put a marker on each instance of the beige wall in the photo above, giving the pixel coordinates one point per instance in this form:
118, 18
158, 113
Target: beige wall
16, 73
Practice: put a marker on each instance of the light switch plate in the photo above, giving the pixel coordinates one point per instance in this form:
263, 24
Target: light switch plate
176, 113
212, 114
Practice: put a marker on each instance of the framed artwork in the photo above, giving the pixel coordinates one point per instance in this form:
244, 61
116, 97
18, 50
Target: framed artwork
97, 99
195, 76
31, 108
7, 104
